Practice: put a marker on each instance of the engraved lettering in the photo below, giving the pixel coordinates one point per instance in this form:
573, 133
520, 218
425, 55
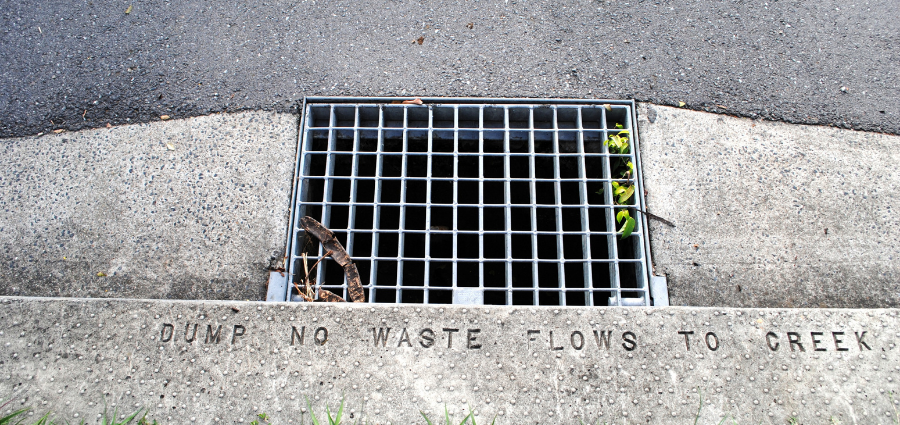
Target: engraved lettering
816, 341
580, 344
687, 341
297, 335
532, 336
193, 335
450, 336
236, 332
404, 337
163, 337
712, 347
769, 337
552, 346
630, 341
427, 336
838, 341
471, 344
381, 336
602, 339
859, 340
321, 340
213, 336
794, 339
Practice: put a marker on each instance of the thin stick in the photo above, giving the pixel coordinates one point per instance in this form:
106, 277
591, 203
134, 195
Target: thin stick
655, 217
306, 280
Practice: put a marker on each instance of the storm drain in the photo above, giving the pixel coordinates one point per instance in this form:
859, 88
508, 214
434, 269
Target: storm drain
472, 201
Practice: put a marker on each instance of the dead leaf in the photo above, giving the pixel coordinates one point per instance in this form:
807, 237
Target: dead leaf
170, 146
164, 117
331, 297
130, 7
608, 107
108, 125
722, 106
339, 254
101, 274
419, 40
58, 130
681, 104
415, 101
470, 25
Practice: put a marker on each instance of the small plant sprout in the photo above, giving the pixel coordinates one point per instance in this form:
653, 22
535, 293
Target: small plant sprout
332, 420
447, 418
263, 420
623, 169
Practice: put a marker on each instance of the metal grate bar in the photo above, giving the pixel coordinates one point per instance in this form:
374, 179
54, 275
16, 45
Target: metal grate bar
498, 202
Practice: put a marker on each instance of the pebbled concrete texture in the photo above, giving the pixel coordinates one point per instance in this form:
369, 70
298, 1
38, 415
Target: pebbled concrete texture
200, 219
520, 365
73, 65
771, 214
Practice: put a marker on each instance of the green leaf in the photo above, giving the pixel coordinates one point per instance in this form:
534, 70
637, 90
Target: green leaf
630, 166
619, 125
612, 140
626, 194
622, 214
627, 228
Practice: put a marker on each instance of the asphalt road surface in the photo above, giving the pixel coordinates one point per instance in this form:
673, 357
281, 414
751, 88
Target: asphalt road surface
79, 64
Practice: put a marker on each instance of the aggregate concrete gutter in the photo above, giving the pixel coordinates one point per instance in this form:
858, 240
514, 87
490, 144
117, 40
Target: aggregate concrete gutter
193, 209
209, 362
751, 201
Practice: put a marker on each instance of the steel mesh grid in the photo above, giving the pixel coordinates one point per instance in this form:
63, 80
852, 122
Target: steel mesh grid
501, 198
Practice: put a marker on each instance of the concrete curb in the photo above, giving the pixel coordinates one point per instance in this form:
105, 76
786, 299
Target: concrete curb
211, 362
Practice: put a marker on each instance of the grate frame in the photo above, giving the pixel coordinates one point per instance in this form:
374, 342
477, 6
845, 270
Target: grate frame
564, 124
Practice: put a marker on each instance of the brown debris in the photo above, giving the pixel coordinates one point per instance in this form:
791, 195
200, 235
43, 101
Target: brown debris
340, 256
415, 101
331, 297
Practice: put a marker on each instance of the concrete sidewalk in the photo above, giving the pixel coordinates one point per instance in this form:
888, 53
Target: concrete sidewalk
751, 200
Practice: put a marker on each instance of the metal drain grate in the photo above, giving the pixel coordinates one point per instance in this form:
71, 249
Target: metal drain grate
472, 201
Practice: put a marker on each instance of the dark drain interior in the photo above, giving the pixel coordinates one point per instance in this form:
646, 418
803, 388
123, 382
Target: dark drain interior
532, 225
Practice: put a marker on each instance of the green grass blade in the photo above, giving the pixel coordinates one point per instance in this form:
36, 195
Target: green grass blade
8, 419
340, 412
466, 419
311, 414
447, 415
129, 419
428, 421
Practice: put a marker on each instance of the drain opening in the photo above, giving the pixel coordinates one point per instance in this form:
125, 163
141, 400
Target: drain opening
510, 200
